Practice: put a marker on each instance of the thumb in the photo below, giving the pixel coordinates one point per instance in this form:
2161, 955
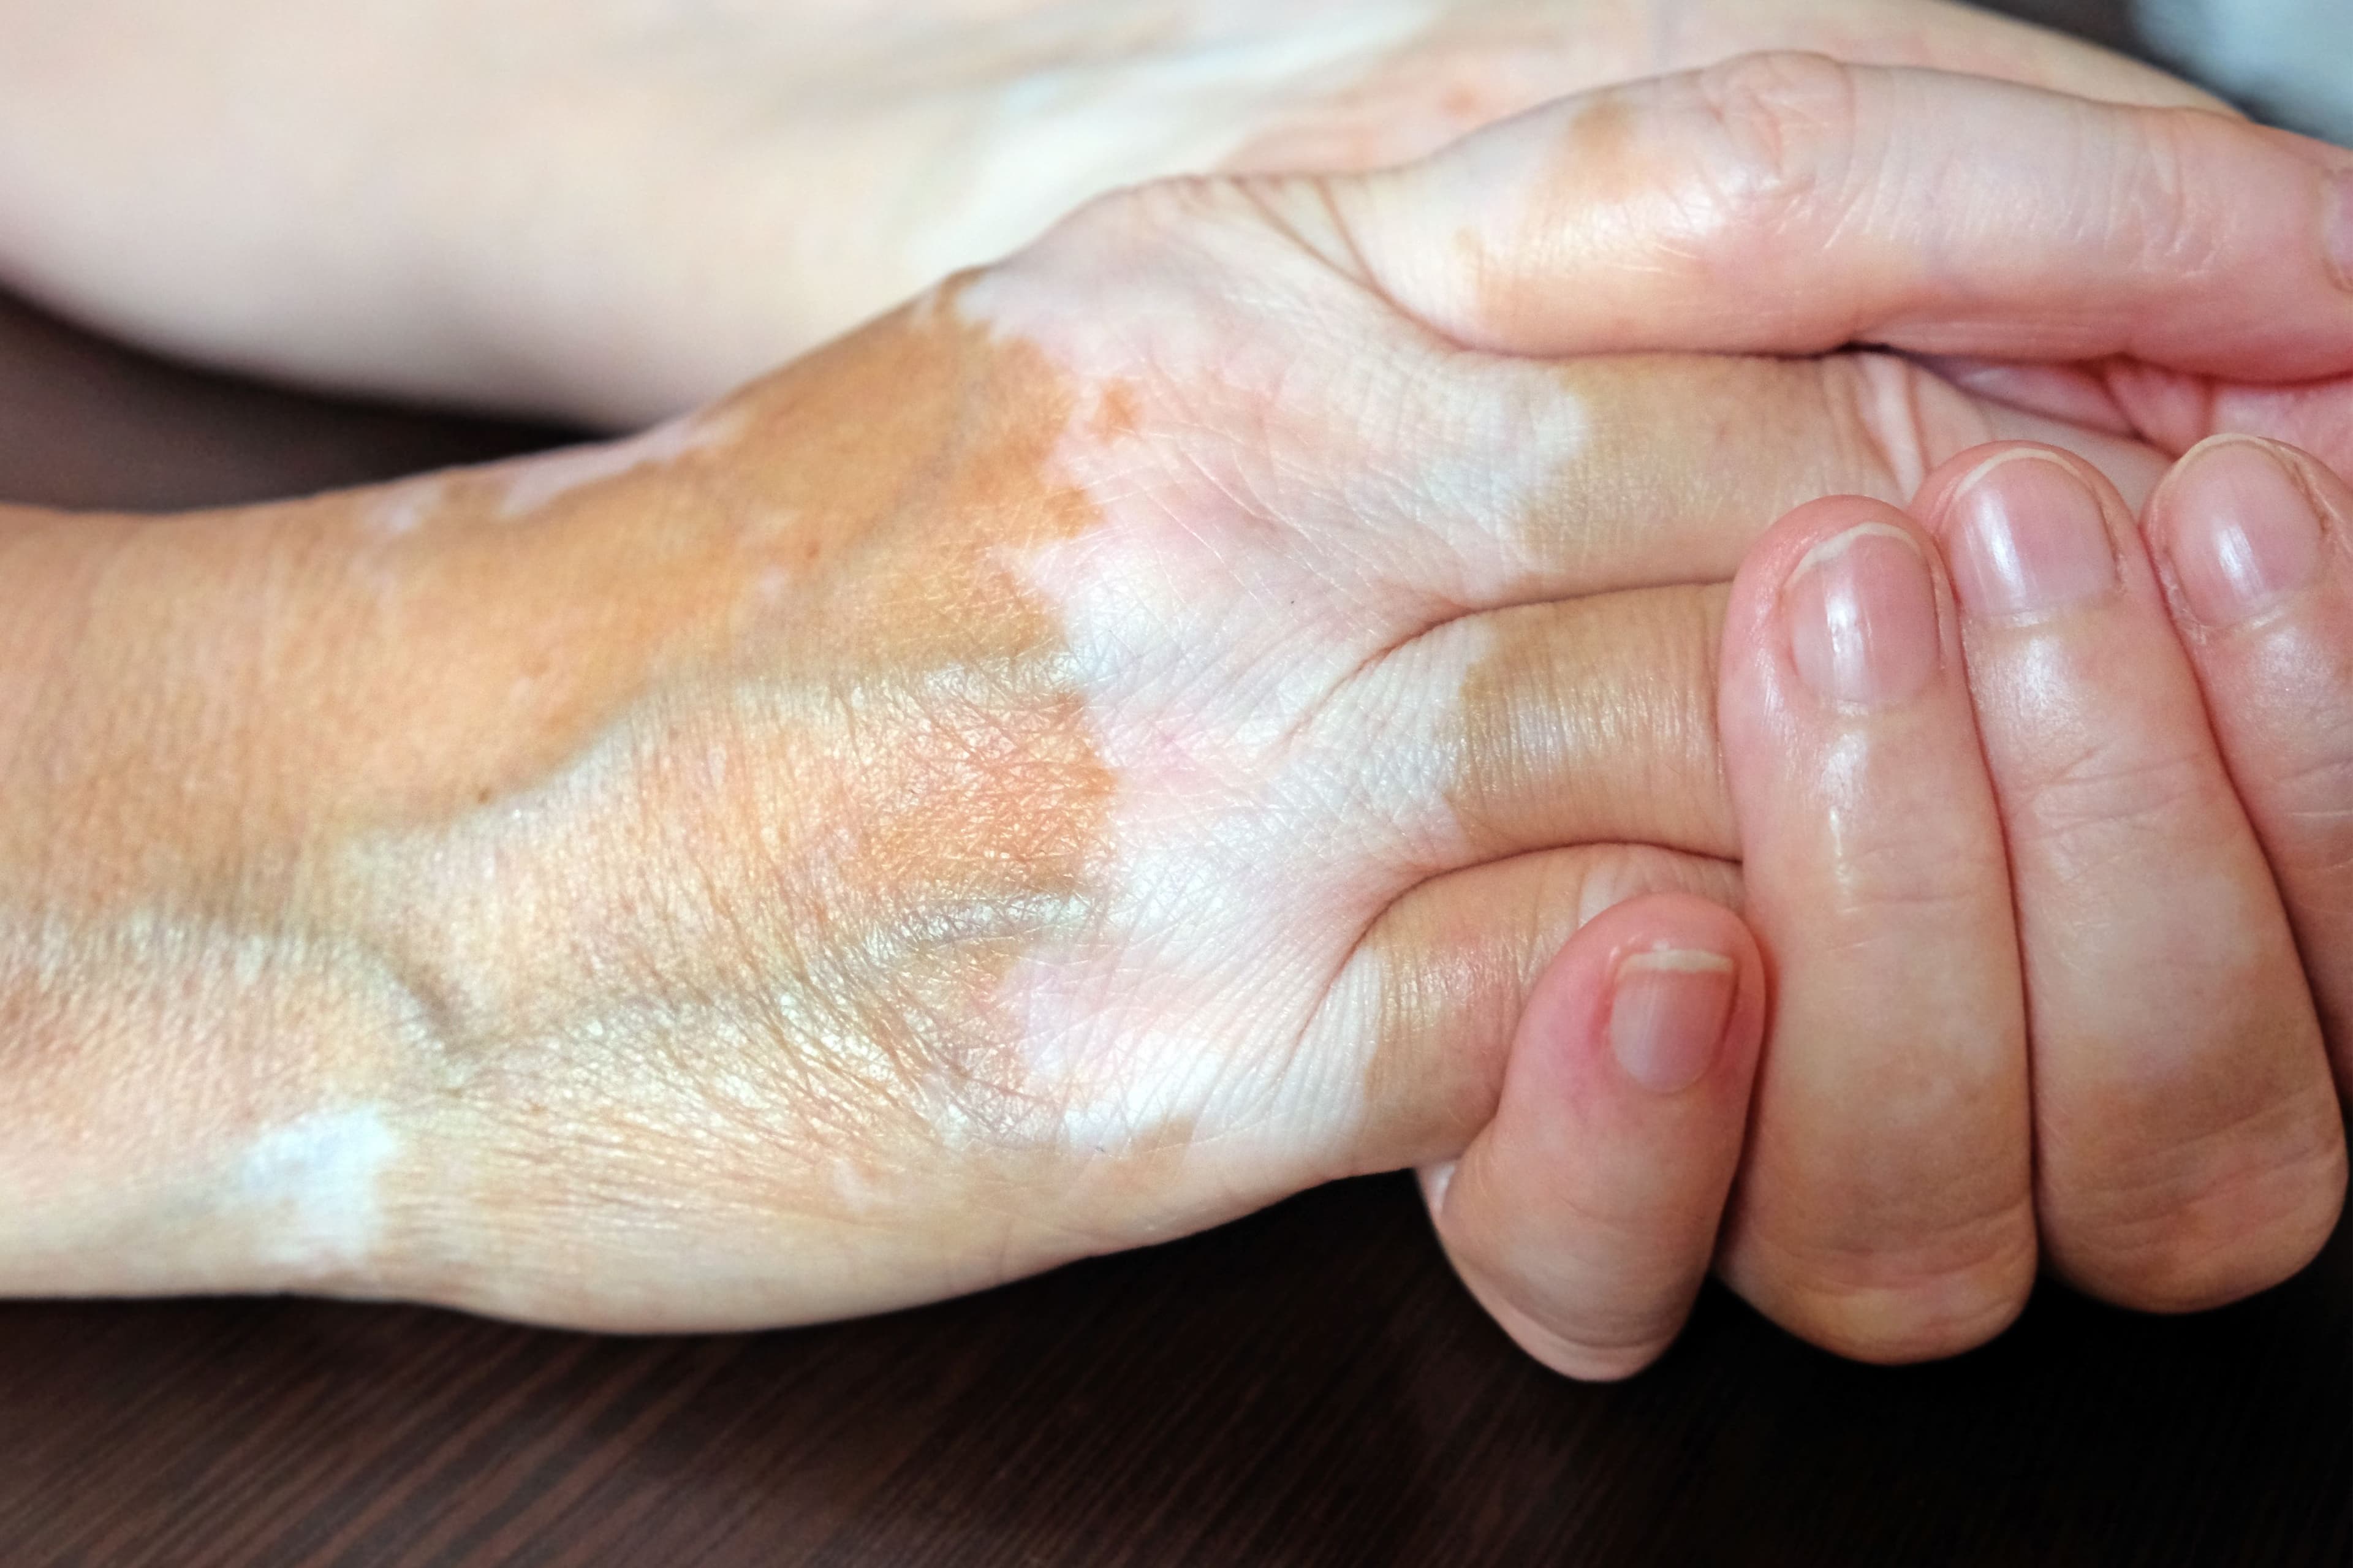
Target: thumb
1571, 1035
1585, 1216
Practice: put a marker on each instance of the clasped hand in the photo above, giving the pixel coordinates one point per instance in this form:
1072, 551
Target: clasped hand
1227, 699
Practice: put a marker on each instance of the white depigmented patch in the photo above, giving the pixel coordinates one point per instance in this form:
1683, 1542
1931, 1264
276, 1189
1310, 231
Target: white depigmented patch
539, 481
400, 511
1288, 483
852, 1189
1496, 458
1051, 132
1220, 603
311, 1189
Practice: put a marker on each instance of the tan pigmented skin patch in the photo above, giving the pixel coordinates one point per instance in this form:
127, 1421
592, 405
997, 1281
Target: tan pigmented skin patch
1687, 459
910, 800
1602, 147
1602, 162
746, 777
1595, 722
1118, 414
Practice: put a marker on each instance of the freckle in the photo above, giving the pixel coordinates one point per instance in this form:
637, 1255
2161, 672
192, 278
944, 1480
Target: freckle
1606, 133
1117, 413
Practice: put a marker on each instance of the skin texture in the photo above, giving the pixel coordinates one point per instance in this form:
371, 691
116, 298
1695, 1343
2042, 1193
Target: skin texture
617, 211
996, 790
1896, 802
1891, 1204
1911, 761
2273, 648
2187, 1015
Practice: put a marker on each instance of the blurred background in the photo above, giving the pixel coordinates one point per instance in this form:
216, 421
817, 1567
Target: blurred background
2289, 61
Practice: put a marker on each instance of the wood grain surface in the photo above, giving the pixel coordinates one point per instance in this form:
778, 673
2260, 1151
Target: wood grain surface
1308, 1386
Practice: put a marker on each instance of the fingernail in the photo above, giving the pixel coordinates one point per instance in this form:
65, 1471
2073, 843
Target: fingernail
2340, 227
1667, 1016
2242, 533
2031, 540
1862, 616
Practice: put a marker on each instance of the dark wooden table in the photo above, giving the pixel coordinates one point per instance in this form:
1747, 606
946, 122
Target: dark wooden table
1306, 1388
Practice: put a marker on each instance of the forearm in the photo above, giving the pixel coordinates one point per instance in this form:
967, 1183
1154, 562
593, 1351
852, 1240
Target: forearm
614, 212
402, 890
599, 211
198, 1059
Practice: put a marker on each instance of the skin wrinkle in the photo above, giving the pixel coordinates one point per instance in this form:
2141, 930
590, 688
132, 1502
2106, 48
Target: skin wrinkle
1437, 982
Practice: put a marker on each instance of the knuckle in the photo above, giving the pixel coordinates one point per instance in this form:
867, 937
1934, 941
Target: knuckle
2160, 203
1594, 1364
1165, 234
1918, 1298
1568, 1327
1606, 876
1785, 126
2206, 1220
1145, 212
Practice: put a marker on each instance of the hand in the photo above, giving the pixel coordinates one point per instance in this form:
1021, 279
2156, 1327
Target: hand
1100, 749
2139, 741
615, 211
